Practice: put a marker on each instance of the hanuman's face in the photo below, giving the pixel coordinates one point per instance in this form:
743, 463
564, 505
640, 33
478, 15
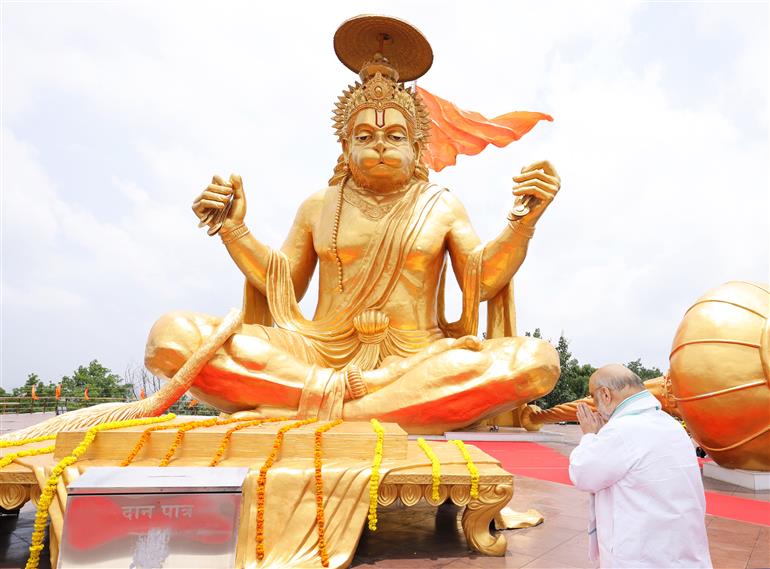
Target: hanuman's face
380, 153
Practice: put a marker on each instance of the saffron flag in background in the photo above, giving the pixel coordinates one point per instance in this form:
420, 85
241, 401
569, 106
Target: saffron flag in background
142, 394
85, 394
192, 403
454, 131
34, 393
58, 391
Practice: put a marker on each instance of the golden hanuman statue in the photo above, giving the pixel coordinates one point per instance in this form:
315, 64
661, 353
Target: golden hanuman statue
378, 344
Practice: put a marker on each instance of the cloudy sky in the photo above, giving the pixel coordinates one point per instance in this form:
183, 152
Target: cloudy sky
115, 115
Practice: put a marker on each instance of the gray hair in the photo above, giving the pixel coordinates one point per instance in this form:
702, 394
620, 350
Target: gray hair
619, 377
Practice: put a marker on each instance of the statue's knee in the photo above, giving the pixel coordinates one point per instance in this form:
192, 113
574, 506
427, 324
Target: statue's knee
545, 367
172, 340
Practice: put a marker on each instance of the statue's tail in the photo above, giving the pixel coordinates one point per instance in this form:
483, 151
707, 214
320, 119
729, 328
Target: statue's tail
153, 406
533, 417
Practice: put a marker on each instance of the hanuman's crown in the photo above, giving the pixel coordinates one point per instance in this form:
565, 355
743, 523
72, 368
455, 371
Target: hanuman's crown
380, 89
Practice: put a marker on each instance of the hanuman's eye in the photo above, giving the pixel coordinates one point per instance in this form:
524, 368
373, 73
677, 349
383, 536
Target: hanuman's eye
362, 137
396, 137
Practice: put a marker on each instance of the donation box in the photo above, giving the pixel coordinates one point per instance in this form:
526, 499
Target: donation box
152, 518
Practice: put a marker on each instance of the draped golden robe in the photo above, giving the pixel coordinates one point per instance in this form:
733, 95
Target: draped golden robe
357, 332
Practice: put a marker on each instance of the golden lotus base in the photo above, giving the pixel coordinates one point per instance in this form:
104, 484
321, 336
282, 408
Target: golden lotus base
408, 477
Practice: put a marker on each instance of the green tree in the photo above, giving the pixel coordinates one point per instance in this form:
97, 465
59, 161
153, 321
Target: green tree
643, 372
101, 382
573, 379
26, 389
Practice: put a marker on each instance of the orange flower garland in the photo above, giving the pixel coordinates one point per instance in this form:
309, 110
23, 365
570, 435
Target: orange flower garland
145, 436
262, 481
226, 439
181, 432
182, 428
319, 491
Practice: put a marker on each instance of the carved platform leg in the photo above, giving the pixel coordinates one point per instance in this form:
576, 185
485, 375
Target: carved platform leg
480, 512
13, 496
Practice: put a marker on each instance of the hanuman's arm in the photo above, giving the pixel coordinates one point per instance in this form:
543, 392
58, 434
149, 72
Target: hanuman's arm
503, 255
252, 256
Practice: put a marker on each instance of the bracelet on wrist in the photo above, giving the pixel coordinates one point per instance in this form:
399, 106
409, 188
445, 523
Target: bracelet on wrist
235, 234
518, 227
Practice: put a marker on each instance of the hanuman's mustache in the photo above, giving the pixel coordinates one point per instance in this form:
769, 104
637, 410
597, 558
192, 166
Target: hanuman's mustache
373, 158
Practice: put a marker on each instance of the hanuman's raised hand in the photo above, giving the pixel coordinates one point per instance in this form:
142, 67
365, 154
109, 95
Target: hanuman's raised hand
222, 204
537, 185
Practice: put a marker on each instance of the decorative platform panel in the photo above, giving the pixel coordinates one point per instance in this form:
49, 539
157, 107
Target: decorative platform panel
354, 440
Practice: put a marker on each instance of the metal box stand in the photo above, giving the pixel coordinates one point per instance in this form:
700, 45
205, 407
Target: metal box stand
152, 517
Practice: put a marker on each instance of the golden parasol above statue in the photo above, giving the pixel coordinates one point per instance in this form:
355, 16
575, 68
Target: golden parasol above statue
358, 39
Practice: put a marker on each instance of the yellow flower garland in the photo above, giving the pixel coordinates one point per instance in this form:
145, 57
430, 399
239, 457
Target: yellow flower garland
48, 493
474, 472
319, 490
9, 458
374, 481
435, 467
6, 444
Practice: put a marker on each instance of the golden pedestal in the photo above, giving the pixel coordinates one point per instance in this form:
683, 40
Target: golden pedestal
407, 474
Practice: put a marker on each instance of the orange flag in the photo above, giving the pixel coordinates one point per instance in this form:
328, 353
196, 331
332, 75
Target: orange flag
454, 131
58, 391
85, 394
142, 394
192, 403
34, 393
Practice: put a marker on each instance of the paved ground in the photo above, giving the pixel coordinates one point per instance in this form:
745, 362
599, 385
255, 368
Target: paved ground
427, 537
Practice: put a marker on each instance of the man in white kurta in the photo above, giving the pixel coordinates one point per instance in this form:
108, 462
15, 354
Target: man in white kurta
640, 467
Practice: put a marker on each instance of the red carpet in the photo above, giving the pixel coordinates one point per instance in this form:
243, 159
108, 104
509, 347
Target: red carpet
537, 461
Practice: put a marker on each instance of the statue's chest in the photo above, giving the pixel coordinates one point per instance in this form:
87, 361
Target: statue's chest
358, 238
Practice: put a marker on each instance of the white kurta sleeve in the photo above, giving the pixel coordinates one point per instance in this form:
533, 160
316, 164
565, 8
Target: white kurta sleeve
599, 461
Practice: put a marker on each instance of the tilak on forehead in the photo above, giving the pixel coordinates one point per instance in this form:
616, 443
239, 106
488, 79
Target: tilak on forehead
384, 52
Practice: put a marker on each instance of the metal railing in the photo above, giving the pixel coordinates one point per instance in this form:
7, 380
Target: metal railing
26, 404
50, 404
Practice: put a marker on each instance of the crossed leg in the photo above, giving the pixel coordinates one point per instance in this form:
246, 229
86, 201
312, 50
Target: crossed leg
452, 383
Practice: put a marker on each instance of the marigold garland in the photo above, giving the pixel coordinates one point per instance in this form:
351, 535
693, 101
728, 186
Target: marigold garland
226, 439
262, 481
180, 436
144, 437
9, 458
435, 468
474, 472
374, 481
48, 493
319, 490
6, 444
181, 427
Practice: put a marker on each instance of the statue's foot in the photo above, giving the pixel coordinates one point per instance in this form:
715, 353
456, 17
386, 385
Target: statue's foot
244, 415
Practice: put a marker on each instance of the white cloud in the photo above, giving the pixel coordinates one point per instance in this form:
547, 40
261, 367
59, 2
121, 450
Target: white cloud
118, 114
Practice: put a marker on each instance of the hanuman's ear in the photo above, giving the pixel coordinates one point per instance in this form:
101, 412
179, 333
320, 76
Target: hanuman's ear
345, 148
